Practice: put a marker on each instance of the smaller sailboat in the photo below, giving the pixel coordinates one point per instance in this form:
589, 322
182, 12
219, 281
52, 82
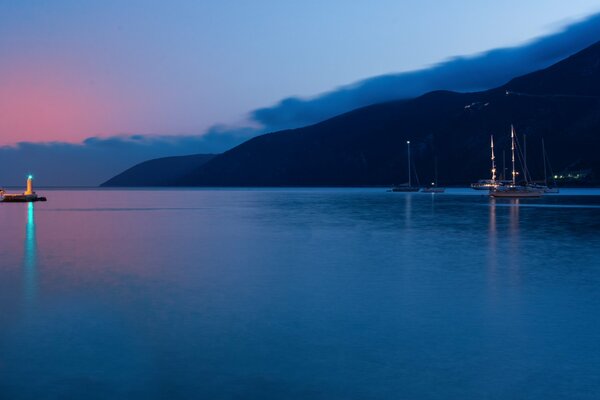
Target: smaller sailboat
434, 188
513, 190
544, 186
484, 184
408, 187
489, 184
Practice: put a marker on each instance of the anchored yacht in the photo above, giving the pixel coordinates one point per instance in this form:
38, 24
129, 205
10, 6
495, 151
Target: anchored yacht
513, 190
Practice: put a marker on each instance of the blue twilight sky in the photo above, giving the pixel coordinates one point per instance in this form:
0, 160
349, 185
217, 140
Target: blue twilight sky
71, 69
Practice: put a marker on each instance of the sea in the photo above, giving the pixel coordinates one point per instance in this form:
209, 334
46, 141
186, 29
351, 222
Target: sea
300, 293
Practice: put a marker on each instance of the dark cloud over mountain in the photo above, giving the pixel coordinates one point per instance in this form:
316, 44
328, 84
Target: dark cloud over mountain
462, 74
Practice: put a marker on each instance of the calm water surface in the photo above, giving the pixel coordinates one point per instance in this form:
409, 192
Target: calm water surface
299, 294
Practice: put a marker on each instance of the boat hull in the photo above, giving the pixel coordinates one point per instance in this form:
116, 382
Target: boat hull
544, 188
488, 184
433, 190
21, 198
406, 189
481, 187
516, 193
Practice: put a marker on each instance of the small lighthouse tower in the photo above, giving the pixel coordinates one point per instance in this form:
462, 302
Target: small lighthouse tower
29, 190
27, 196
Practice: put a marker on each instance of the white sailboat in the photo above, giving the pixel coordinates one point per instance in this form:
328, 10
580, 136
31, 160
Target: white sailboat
406, 187
513, 190
488, 184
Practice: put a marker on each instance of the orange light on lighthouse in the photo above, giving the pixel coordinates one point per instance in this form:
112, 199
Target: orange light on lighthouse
29, 190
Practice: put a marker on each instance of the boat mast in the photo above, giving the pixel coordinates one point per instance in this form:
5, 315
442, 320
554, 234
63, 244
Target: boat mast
436, 171
493, 160
503, 165
512, 149
408, 148
544, 159
525, 155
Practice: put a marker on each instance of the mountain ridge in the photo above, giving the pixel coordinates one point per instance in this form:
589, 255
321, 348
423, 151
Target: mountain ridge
157, 171
367, 146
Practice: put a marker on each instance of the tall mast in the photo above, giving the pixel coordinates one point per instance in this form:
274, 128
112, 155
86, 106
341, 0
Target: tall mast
525, 155
408, 150
503, 165
436, 171
493, 160
544, 159
512, 149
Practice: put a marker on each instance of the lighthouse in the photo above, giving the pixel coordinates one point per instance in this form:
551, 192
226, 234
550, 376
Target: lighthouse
29, 190
27, 196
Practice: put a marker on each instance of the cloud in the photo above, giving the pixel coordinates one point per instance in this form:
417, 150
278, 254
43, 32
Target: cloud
463, 74
97, 159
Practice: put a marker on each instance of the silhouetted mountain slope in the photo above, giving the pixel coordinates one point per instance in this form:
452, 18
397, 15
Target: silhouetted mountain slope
576, 75
158, 172
368, 146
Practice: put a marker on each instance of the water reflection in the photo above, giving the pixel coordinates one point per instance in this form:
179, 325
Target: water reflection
514, 218
30, 256
297, 294
408, 210
492, 238
514, 250
504, 241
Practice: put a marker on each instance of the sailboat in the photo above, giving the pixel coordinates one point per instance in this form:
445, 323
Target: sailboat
489, 184
513, 190
434, 185
406, 187
545, 186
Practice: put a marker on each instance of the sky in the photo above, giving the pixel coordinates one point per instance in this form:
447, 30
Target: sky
72, 70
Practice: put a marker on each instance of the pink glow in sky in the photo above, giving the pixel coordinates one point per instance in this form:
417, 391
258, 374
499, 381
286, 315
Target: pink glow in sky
38, 104
61, 100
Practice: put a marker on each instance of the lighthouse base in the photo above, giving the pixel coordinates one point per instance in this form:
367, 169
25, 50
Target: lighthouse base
21, 198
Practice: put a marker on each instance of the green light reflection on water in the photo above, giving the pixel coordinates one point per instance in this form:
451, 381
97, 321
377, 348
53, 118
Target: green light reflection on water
30, 255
